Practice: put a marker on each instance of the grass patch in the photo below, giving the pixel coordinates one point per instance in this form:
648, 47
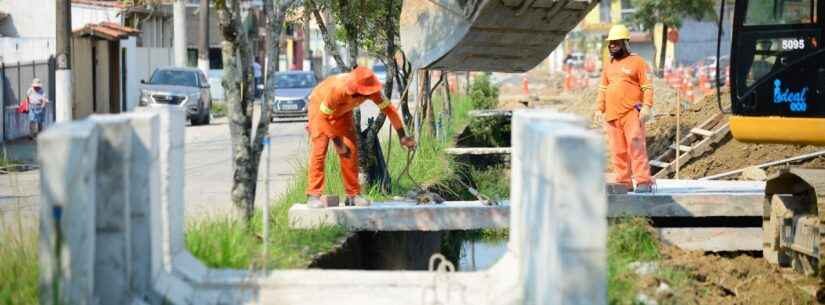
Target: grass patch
218, 109
18, 265
632, 240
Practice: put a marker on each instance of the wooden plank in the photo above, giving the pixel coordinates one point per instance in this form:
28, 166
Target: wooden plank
685, 205
683, 148
713, 239
478, 151
660, 164
702, 132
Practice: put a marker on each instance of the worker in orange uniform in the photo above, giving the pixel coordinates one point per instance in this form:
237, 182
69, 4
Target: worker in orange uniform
623, 104
330, 119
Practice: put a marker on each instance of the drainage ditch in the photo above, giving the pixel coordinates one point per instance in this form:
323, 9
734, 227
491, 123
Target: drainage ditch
468, 250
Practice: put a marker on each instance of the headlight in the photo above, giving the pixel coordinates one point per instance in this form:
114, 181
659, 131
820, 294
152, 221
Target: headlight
194, 97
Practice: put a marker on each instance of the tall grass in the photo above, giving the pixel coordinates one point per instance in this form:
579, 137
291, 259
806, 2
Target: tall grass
18, 264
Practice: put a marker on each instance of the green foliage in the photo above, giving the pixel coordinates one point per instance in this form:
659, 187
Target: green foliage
482, 93
367, 21
18, 264
218, 109
671, 12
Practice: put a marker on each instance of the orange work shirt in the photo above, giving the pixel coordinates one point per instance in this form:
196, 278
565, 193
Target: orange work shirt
624, 86
330, 107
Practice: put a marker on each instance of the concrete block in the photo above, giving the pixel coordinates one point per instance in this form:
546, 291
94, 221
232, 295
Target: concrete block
144, 196
171, 157
403, 216
113, 257
67, 181
559, 210
188, 268
525, 147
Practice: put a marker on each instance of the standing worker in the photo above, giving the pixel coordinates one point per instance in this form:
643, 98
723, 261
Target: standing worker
37, 107
330, 118
623, 104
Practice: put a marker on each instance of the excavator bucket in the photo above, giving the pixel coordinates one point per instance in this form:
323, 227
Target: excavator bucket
486, 35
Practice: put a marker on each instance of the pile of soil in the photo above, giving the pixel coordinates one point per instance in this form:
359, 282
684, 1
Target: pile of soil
728, 154
715, 279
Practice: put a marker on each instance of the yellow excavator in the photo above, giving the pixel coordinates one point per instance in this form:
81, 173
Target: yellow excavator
777, 79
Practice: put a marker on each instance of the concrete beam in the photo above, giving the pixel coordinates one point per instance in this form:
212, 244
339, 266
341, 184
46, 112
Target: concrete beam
673, 198
403, 216
67, 213
478, 151
144, 196
113, 247
713, 239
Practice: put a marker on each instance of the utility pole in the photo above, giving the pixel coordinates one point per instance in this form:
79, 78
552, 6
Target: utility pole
63, 71
179, 43
203, 48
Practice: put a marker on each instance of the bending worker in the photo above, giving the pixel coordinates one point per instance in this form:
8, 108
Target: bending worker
623, 104
330, 119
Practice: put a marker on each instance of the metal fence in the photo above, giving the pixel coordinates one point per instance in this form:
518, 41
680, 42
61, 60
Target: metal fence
16, 79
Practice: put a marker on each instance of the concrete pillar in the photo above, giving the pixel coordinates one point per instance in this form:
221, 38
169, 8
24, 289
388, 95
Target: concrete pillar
113, 257
144, 196
168, 241
67, 213
560, 199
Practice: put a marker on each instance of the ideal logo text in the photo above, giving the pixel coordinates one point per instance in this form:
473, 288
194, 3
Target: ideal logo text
796, 99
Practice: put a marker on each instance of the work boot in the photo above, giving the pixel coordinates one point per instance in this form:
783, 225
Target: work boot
643, 188
314, 202
356, 201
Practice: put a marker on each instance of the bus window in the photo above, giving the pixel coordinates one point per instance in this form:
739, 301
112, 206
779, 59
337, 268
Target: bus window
778, 12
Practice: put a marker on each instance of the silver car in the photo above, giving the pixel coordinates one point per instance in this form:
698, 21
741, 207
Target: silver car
292, 91
186, 88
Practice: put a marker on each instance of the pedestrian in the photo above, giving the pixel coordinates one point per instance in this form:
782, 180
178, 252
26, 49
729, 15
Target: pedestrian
624, 104
330, 119
258, 74
37, 107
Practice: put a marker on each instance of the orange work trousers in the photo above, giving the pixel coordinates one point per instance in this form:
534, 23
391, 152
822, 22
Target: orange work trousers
626, 136
349, 164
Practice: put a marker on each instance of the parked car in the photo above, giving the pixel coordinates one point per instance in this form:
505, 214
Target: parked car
186, 88
292, 89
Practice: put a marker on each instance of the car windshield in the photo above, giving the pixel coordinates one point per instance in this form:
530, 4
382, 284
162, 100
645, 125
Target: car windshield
294, 80
174, 78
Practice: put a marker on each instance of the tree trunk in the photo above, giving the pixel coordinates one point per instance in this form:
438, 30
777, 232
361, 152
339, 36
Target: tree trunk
663, 51
329, 42
237, 83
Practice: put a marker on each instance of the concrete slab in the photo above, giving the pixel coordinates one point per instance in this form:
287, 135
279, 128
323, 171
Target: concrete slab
713, 239
672, 198
404, 216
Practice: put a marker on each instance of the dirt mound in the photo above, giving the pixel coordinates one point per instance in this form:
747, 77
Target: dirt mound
728, 154
741, 279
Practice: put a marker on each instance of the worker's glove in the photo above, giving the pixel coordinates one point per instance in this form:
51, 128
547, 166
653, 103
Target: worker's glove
408, 142
598, 117
644, 114
342, 149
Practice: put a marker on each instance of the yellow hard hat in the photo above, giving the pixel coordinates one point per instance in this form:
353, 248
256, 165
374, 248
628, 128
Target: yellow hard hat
618, 32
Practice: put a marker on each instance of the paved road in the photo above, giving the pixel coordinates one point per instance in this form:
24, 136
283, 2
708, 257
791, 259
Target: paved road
208, 171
